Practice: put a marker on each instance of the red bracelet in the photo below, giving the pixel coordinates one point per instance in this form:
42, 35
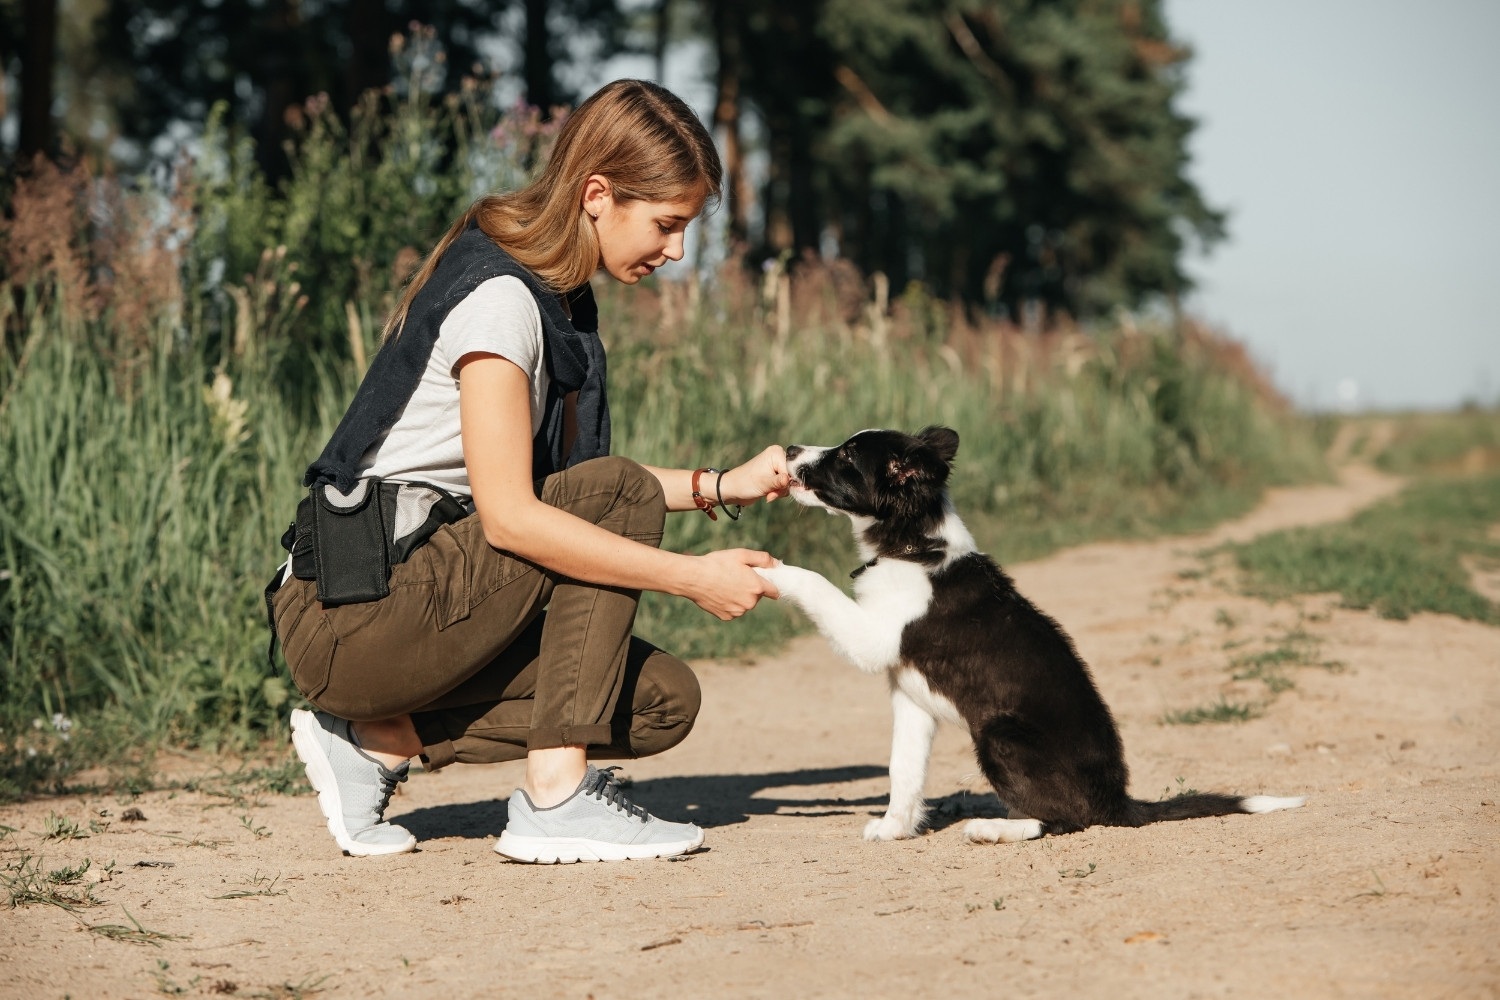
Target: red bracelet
700, 501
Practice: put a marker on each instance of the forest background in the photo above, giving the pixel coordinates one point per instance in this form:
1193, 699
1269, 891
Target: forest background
973, 214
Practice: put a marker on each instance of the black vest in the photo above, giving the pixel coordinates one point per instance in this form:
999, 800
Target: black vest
573, 352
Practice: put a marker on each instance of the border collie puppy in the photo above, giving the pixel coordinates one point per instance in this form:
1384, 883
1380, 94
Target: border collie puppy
960, 644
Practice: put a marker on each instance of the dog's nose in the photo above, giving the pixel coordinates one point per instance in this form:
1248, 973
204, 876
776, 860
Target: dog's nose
792, 451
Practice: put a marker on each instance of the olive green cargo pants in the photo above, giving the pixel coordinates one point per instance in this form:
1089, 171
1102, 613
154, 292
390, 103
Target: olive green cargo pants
492, 655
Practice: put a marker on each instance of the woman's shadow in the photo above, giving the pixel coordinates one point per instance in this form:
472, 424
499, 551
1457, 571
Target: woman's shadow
712, 800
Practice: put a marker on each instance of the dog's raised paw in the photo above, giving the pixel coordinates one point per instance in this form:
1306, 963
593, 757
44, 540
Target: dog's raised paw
1002, 831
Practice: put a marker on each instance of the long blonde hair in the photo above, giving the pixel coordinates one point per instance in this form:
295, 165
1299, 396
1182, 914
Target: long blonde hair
638, 135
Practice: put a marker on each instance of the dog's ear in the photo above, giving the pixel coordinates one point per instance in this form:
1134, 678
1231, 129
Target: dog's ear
928, 460
943, 440
903, 469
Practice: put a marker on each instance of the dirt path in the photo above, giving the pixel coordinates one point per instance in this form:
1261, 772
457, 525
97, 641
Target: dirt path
1385, 885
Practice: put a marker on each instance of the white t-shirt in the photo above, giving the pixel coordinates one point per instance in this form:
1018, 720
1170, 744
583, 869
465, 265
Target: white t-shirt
425, 444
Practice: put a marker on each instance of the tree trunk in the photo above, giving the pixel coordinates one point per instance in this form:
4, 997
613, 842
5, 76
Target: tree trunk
663, 34
282, 85
777, 236
727, 31
801, 201
539, 89
39, 22
369, 65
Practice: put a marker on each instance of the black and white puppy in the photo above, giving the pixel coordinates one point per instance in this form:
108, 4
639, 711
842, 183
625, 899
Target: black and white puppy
960, 644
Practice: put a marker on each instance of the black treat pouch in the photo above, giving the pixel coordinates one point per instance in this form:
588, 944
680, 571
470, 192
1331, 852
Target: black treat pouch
298, 541
349, 544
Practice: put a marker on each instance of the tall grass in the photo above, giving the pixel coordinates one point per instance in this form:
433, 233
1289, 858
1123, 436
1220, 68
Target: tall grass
151, 445
1063, 438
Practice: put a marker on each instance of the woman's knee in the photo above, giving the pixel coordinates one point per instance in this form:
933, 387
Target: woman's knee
637, 485
638, 494
665, 715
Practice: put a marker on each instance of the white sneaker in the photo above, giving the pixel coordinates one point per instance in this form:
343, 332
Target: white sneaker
596, 823
353, 787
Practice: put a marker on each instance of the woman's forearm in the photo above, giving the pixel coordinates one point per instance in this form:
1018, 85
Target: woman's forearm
581, 550
762, 476
494, 407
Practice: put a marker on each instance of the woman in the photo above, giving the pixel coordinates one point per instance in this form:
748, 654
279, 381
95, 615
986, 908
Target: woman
490, 388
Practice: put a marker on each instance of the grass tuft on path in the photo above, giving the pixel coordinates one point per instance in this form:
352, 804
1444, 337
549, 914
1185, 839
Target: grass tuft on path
1409, 554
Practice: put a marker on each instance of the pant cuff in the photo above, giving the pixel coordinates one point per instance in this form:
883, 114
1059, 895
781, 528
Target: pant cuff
568, 736
437, 749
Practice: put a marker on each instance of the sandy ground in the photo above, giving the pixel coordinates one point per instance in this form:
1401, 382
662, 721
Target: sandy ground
1384, 885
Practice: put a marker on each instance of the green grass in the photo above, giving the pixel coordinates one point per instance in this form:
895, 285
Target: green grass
255, 885
25, 883
1223, 710
1295, 648
1462, 441
1399, 558
132, 933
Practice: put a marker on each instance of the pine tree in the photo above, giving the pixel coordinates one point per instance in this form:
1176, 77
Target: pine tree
1006, 152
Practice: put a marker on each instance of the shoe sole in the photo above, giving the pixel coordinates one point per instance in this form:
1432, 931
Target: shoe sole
305, 730
568, 850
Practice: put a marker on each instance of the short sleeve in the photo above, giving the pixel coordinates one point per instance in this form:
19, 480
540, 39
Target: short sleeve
500, 316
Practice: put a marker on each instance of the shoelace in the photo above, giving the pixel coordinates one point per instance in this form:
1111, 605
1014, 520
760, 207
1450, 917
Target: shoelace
603, 784
388, 781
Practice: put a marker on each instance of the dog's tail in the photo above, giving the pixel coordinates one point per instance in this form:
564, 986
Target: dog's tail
1198, 805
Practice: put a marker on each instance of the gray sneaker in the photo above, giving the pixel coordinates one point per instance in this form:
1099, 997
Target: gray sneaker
353, 787
596, 823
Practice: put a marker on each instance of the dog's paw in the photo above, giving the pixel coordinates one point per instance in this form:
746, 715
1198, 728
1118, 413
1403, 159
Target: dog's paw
1002, 831
786, 579
889, 828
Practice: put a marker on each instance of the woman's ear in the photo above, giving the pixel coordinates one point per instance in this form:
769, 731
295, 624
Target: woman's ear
597, 194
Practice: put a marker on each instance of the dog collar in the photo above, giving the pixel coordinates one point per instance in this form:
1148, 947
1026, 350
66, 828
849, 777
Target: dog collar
926, 557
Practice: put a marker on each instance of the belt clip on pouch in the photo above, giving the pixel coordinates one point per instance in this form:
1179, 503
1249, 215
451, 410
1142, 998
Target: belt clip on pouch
349, 544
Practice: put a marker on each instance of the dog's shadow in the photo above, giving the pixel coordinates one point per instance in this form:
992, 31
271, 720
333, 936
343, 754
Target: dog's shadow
712, 800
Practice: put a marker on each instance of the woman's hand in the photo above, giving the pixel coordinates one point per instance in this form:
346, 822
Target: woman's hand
726, 584
764, 475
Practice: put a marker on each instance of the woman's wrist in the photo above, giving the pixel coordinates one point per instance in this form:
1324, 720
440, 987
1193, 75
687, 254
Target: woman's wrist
679, 576
728, 488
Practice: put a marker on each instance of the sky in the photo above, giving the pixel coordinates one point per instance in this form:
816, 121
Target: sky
1356, 146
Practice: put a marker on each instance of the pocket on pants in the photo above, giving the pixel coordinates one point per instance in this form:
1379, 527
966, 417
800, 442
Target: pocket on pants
449, 565
290, 605
347, 619
309, 654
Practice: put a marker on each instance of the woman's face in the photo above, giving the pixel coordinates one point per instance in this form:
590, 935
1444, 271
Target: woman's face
637, 237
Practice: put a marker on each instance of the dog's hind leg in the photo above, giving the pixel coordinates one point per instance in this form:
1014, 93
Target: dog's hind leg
911, 745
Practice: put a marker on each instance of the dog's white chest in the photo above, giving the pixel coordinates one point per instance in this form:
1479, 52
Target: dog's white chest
896, 588
892, 595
